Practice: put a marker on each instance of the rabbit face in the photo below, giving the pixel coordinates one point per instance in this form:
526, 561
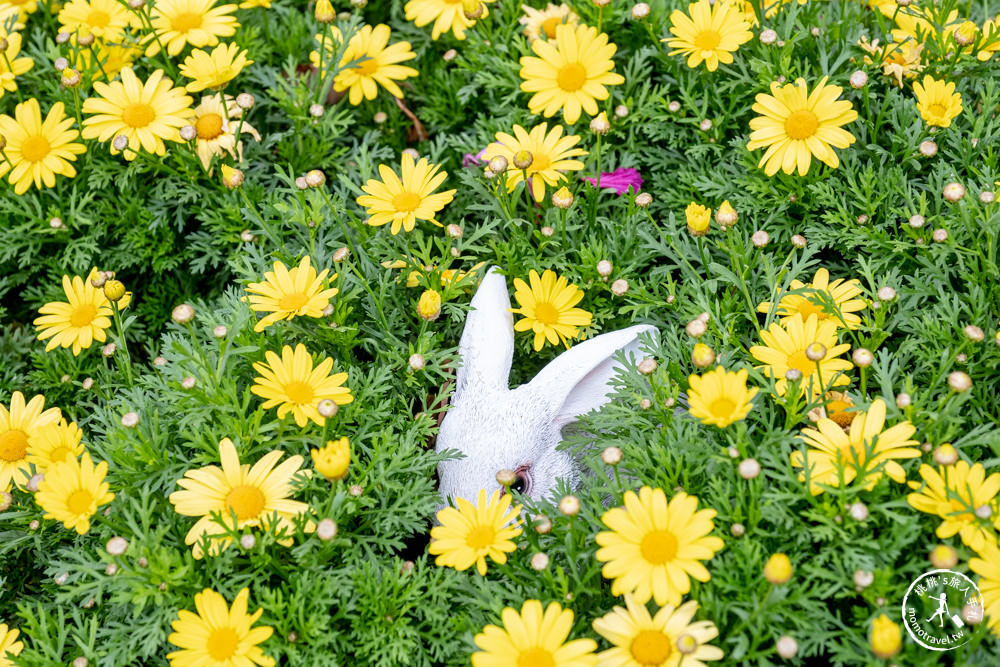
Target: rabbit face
496, 428
509, 434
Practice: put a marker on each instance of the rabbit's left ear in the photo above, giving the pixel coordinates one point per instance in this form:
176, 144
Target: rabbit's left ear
579, 379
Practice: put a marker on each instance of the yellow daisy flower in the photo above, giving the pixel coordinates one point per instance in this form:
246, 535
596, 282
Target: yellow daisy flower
654, 546
291, 383
886, 637
219, 636
919, 24
987, 566
112, 58
287, 293
55, 443
991, 40
839, 407
954, 493
641, 640
215, 69
257, 496
937, 101
146, 113
470, 533
539, 23
105, 19
796, 125
547, 308
570, 73
551, 156
404, 199
195, 22
21, 7
445, 14
38, 148
865, 452
720, 398
9, 646
784, 349
898, 60
710, 35
836, 300
215, 129
11, 66
533, 637
377, 67
81, 319
72, 491
20, 428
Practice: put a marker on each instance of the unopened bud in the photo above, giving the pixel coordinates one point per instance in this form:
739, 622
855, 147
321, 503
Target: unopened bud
619, 287
815, 351
903, 400
749, 468
523, 159
943, 557
540, 561
859, 79
799, 241
326, 529
643, 199
569, 505
959, 381
787, 647
130, 419
70, 78
916, 221
604, 268
315, 178
182, 314
245, 101
863, 578
928, 148
647, 366
326, 408
863, 357
768, 36
858, 511
498, 164
611, 456
702, 355
974, 333
760, 238
696, 328
953, 192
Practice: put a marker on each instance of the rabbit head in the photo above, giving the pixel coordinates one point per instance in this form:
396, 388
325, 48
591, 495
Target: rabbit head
497, 428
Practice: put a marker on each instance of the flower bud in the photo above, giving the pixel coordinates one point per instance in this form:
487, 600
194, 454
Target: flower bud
799, 241
114, 290
647, 366
939, 236
429, 305
760, 238
974, 333
778, 569
705, 125
498, 164
916, 221
315, 178
562, 198
130, 419
928, 148
59, 63
738, 530
768, 36
815, 351
599, 124
863, 578
686, 645
953, 192
619, 287
54, 223
787, 647
32, 485
643, 199
943, 557
702, 355
611, 456
858, 511
987, 197
946, 454
248, 542
886, 637
324, 12
182, 314
231, 178
696, 328
604, 268
859, 79
640, 11
748, 468
449, 55
542, 524
726, 215
569, 505
84, 37
316, 110
473, 9
70, 78
188, 133
245, 101
863, 357
621, 111
523, 159
959, 382
540, 561
903, 400
972, 613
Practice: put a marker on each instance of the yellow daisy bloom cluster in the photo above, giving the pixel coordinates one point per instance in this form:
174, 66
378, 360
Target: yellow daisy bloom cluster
651, 549
217, 634
82, 319
367, 63
41, 452
547, 306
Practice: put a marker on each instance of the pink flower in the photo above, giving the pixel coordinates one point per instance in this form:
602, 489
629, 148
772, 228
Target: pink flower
470, 160
619, 180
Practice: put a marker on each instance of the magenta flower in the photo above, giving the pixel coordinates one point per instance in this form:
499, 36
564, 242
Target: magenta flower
470, 160
619, 180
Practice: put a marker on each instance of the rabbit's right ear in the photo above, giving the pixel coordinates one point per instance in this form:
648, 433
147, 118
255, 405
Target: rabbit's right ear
487, 344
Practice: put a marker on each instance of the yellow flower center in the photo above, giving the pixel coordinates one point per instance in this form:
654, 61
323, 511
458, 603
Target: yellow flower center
799, 361
367, 68
801, 124
722, 407
83, 315
222, 644
937, 109
98, 19
549, 26
836, 410
80, 502
807, 308
707, 40
480, 537
138, 115
546, 313
535, 657
13, 445
59, 454
406, 202
186, 21
572, 77
658, 547
247, 501
299, 392
208, 126
293, 301
34, 149
651, 648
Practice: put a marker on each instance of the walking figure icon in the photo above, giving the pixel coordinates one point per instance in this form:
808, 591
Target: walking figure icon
942, 610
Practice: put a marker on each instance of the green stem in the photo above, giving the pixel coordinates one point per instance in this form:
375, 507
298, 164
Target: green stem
121, 338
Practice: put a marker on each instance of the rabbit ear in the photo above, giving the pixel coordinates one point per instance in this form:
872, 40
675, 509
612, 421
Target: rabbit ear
578, 380
487, 344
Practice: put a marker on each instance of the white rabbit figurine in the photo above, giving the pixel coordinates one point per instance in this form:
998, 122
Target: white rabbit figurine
497, 428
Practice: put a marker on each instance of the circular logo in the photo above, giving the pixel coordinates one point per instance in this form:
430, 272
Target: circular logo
938, 608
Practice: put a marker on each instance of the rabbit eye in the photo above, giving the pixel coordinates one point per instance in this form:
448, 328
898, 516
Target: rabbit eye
523, 482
